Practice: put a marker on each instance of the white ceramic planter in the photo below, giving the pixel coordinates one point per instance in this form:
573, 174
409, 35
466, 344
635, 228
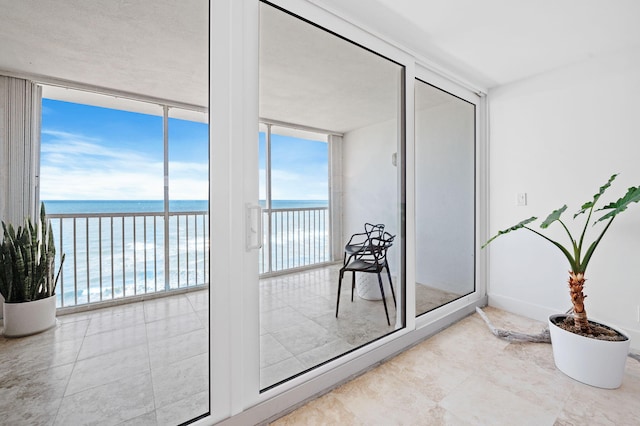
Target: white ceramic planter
368, 287
23, 319
594, 362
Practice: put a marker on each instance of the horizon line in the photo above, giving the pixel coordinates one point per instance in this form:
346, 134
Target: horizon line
260, 199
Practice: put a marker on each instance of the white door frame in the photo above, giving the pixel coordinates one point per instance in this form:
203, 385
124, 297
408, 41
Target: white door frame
234, 296
233, 173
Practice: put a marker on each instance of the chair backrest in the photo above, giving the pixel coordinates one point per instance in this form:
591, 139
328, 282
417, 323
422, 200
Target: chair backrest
372, 230
378, 247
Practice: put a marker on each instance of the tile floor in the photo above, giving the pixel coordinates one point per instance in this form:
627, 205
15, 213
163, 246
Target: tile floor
142, 363
298, 326
147, 362
466, 376
429, 298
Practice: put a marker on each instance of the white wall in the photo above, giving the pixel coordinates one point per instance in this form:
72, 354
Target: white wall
445, 195
558, 137
370, 182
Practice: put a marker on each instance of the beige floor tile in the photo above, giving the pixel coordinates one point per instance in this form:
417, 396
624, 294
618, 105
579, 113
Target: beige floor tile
113, 340
183, 410
429, 298
166, 307
199, 299
116, 318
109, 404
180, 380
280, 371
173, 326
271, 351
107, 368
278, 319
433, 373
32, 398
325, 352
177, 348
590, 405
302, 336
326, 410
480, 402
375, 397
23, 359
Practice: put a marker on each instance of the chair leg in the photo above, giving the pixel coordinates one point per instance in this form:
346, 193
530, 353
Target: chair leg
384, 300
339, 286
353, 284
391, 285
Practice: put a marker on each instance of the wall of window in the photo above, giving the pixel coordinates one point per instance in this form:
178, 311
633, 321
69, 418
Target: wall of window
294, 195
127, 196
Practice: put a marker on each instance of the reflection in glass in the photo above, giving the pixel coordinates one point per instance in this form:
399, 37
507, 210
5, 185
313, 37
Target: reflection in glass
445, 138
295, 216
314, 81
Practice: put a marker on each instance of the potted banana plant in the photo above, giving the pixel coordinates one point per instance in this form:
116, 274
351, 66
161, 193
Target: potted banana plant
28, 277
585, 350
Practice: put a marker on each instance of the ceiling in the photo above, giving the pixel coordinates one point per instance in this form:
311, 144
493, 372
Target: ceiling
310, 77
155, 48
495, 42
158, 48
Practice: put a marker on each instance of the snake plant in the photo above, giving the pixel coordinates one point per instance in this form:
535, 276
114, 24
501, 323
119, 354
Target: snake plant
576, 255
27, 261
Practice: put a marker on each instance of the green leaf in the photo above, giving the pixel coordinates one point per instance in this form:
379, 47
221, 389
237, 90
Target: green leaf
588, 205
27, 261
617, 207
513, 228
554, 216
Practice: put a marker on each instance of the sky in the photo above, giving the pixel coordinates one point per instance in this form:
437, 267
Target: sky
299, 168
94, 153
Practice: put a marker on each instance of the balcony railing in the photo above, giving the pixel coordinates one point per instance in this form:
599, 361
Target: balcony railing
294, 238
116, 255
112, 256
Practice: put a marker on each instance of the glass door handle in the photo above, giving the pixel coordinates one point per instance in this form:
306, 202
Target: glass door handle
253, 223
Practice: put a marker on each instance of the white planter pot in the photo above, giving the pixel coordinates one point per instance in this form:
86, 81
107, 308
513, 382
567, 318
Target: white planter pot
594, 362
368, 287
23, 319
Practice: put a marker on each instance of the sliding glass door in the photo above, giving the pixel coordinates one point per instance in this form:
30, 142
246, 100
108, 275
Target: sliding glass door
332, 118
444, 196
283, 333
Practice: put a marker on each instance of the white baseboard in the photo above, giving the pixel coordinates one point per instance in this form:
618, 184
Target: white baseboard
529, 310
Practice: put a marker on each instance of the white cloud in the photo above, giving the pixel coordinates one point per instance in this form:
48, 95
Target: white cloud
287, 185
188, 181
75, 167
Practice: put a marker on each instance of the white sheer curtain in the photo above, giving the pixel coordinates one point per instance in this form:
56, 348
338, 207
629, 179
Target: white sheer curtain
20, 106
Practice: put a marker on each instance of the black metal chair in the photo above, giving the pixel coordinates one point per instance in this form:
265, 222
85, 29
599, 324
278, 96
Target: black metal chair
361, 240
370, 258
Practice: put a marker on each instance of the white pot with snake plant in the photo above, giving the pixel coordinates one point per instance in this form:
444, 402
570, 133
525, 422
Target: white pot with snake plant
28, 277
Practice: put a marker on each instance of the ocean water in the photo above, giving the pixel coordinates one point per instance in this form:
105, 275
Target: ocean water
145, 206
134, 252
122, 206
